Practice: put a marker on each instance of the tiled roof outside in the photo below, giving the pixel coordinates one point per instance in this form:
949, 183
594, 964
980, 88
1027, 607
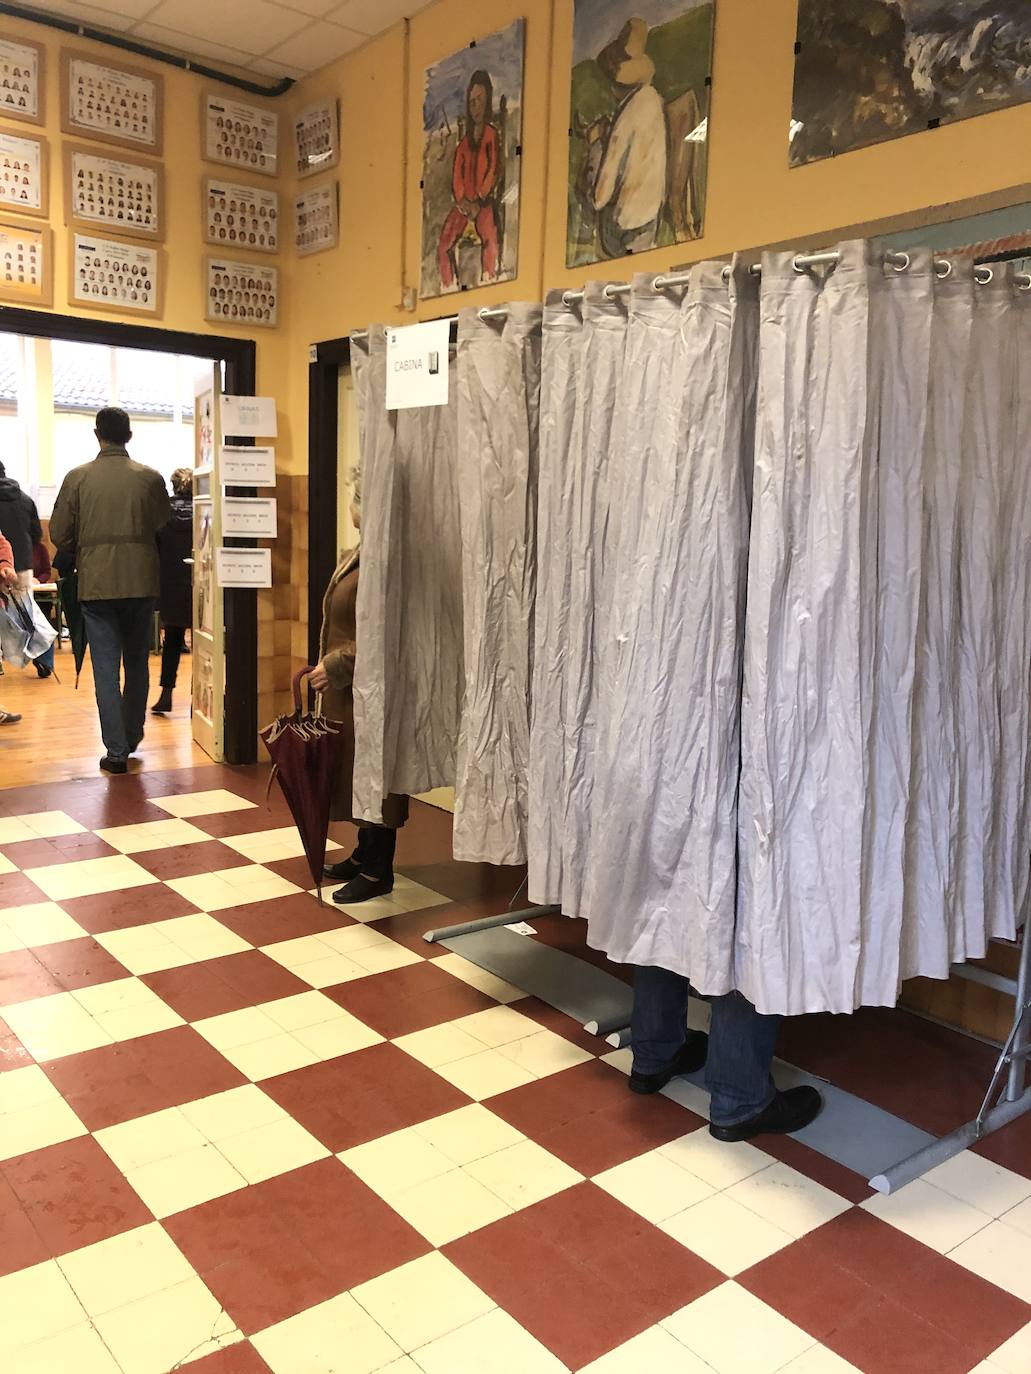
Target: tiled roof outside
80, 386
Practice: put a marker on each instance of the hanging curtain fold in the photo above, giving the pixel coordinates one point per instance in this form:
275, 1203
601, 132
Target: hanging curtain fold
660, 873
499, 377
409, 671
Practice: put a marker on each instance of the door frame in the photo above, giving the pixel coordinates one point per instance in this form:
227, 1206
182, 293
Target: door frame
323, 477
241, 608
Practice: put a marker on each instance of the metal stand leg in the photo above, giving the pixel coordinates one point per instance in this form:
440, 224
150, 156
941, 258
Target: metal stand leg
1014, 1100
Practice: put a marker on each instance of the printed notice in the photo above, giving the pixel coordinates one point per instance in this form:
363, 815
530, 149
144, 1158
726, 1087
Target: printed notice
245, 567
249, 417
249, 517
417, 365
248, 467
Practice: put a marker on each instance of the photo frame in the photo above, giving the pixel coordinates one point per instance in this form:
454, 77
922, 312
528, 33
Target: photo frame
122, 105
106, 274
241, 137
241, 293
24, 174
26, 263
317, 219
113, 194
22, 80
317, 139
236, 215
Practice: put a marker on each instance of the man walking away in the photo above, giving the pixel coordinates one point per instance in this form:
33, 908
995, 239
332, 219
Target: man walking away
19, 524
8, 579
108, 514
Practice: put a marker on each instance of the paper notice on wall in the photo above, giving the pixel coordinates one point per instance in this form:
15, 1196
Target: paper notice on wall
244, 567
417, 365
249, 417
249, 517
248, 467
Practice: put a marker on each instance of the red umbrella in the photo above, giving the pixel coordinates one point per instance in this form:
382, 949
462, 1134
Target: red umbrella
305, 752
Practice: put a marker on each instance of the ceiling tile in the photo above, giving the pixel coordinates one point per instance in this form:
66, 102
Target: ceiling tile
88, 14
317, 45
192, 47
373, 16
265, 66
318, 9
252, 26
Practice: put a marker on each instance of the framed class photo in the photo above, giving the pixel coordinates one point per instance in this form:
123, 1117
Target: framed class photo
108, 275
316, 139
241, 293
24, 178
108, 193
238, 216
26, 263
316, 222
111, 104
21, 80
243, 137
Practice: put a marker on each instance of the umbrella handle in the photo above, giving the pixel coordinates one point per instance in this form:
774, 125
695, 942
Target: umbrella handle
305, 672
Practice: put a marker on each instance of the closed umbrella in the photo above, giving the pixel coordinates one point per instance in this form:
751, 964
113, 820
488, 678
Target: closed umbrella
305, 752
73, 618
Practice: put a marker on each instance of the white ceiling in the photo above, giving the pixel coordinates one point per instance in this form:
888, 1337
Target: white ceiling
271, 38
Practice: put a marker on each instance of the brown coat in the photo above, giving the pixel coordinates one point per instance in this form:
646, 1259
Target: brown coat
337, 648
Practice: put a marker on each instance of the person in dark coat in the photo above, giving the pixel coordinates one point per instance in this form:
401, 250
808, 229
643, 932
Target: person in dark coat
19, 524
175, 600
369, 872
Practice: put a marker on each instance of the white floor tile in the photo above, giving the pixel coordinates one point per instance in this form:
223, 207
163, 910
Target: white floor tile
139, 839
653, 1186
261, 1059
1014, 1356
90, 877
330, 972
493, 1344
726, 1235
147, 1139
984, 1185
523, 1174
1001, 1255
820, 1360
929, 1215
1019, 1217
448, 1207
35, 1304
79, 1349
406, 896
478, 978
55, 1026
233, 1028
230, 887
735, 1333
788, 1200
40, 923
485, 1075
395, 1163
544, 1053
223, 1115
202, 937
37, 1127
23, 1088
270, 1150
303, 1010
439, 1045
719, 1164
654, 1351
468, 1134
336, 1336
210, 803
37, 825
497, 1026
154, 1334
422, 1301
268, 846
344, 1034
126, 1268
186, 1180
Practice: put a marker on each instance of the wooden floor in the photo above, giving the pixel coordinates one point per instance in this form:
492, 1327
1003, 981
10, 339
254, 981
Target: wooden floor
58, 737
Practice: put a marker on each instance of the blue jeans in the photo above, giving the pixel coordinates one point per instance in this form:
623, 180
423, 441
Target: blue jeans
119, 634
741, 1043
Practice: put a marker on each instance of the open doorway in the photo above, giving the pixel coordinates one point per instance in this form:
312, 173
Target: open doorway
55, 373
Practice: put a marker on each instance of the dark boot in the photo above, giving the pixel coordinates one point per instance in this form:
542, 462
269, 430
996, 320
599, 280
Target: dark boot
691, 1058
789, 1112
363, 889
163, 704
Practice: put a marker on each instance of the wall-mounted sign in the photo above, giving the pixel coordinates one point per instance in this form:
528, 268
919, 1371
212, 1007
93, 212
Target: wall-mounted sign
248, 467
244, 567
417, 365
249, 517
112, 104
249, 417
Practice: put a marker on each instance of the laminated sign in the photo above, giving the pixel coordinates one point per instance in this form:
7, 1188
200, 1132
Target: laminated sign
417, 365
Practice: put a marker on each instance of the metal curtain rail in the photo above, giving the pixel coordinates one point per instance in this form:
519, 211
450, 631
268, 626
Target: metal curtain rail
126, 44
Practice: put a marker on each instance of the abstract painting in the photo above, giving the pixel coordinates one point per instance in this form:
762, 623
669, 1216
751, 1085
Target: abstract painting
871, 70
472, 132
638, 127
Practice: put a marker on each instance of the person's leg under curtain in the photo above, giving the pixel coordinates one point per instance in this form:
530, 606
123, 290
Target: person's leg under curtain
663, 1046
103, 634
136, 618
737, 1074
375, 853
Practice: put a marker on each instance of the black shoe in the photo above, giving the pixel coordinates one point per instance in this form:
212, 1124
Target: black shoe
42, 670
789, 1112
163, 704
344, 871
690, 1059
111, 765
363, 889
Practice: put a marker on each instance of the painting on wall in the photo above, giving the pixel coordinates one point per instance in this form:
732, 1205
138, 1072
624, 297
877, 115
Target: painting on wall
472, 132
871, 70
638, 127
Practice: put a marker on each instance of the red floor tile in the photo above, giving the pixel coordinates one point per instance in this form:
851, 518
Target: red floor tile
887, 1339
241, 1358
17, 890
74, 1195
283, 918
297, 871
120, 1082
554, 1020
13, 1054
810, 1289
282, 1246
22, 1246
123, 910
45, 853
216, 986
818, 1167
23, 977
187, 860
360, 1097
617, 1275
219, 825
411, 999
80, 963
409, 928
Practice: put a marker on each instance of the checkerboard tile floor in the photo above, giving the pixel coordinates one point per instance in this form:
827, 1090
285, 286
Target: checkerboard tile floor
240, 1131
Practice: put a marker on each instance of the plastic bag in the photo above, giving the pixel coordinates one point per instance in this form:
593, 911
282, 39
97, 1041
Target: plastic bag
25, 632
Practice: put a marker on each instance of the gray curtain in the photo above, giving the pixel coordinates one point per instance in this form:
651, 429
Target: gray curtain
499, 369
660, 881
409, 673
